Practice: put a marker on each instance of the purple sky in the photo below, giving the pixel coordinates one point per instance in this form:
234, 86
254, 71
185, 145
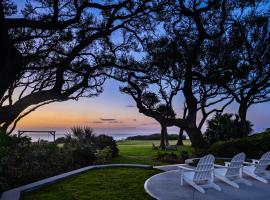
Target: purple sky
113, 112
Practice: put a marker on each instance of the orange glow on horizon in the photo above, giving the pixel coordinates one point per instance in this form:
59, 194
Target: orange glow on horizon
57, 116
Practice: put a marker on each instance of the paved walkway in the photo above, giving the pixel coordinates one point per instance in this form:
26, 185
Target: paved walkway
166, 186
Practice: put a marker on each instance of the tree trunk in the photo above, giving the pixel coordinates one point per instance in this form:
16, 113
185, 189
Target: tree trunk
166, 136
243, 118
162, 137
181, 131
11, 60
180, 136
196, 137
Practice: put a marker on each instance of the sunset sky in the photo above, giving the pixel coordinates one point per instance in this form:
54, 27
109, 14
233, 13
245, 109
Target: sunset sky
113, 112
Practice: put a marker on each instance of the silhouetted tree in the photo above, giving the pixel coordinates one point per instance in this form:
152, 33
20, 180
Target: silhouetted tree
59, 50
157, 106
240, 60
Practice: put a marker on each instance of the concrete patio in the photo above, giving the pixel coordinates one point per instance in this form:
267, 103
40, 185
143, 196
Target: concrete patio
166, 186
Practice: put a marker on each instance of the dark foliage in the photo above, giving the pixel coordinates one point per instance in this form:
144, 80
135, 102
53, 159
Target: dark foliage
155, 136
103, 141
168, 158
224, 127
22, 162
172, 157
254, 146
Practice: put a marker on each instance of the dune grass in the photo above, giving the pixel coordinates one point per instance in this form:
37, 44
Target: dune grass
99, 184
140, 151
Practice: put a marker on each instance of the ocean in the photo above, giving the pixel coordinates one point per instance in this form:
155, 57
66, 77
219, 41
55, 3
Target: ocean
48, 137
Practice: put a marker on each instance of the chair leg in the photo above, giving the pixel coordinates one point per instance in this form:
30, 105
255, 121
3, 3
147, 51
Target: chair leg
197, 187
215, 186
181, 177
224, 179
256, 177
245, 181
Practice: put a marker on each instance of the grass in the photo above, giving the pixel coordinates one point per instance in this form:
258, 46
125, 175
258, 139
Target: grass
114, 183
140, 151
99, 184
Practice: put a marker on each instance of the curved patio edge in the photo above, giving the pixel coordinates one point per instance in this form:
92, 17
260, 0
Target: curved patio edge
146, 184
14, 194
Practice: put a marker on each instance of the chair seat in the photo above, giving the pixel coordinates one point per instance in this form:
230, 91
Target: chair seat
189, 175
220, 171
249, 168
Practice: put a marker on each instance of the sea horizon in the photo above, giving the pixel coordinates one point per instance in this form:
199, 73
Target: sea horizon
46, 136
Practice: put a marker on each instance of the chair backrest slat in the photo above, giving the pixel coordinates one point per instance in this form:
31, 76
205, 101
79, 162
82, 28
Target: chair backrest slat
263, 163
235, 165
204, 169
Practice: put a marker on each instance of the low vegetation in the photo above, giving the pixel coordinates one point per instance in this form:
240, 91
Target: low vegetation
23, 161
155, 136
254, 146
113, 184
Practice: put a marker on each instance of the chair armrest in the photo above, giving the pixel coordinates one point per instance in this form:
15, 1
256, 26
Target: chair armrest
184, 168
255, 161
248, 163
220, 166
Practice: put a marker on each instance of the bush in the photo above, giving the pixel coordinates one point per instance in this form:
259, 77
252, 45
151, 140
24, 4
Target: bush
254, 146
184, 155
104, 141
172, 157
61, 140
155, 136
22, 162
103, 156
223, 127
167, 157
83, 156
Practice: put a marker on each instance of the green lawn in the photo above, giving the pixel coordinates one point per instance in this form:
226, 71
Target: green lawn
99, 184
114, 183
138, 151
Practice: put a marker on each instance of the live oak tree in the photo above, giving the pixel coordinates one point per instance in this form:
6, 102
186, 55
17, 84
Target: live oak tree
161, 86
240, 60
191, 23
155, 105
59, 50
188, 24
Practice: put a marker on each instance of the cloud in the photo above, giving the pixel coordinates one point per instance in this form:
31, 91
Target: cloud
115, 122
97, 122
147, 124
107, 119
130, 106
134, 120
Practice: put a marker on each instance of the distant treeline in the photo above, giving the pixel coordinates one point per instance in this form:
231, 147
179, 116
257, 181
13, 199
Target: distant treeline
155, 136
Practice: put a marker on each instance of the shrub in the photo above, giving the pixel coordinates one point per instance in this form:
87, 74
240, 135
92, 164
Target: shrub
254, 146
169, 158
223, 127
83, 156
22, 162
155, 136
60, 140
104, 155
184, 155
103, 141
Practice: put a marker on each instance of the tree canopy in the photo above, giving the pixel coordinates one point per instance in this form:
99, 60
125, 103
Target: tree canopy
212, 53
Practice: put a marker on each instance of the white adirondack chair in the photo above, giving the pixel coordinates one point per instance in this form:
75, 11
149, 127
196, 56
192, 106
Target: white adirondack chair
202, 176
231, 173
257, 169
